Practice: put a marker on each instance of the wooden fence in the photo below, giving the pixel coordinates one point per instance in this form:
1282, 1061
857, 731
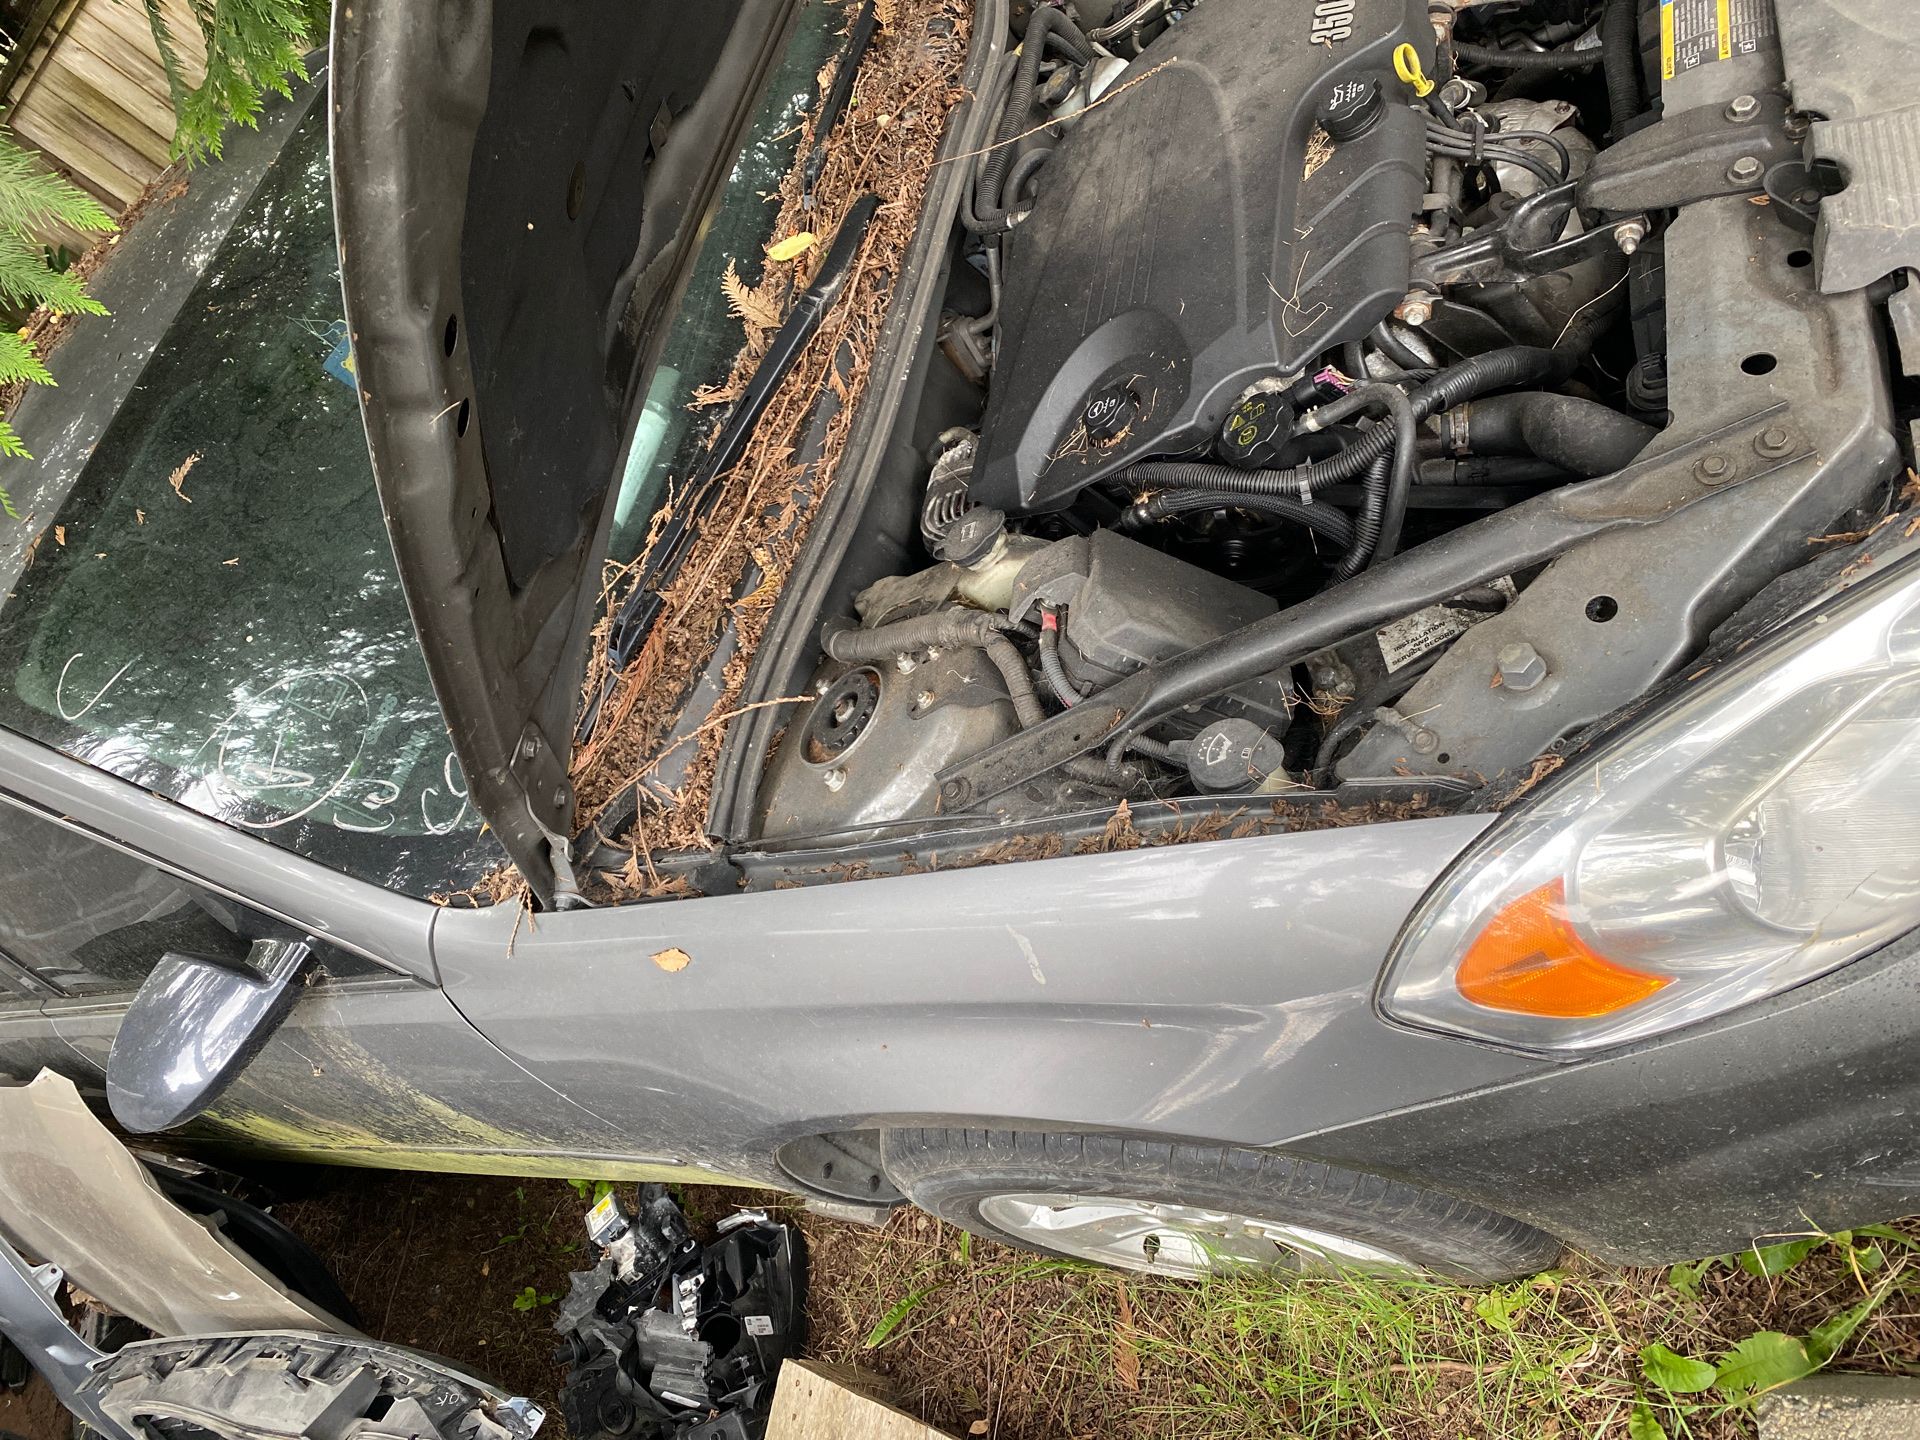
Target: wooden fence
91, 96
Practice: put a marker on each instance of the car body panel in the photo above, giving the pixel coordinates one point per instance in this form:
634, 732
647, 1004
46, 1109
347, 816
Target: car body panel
1796, 1112
1219, 991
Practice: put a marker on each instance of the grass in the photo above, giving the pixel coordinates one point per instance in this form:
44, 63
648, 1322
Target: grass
1038, 1349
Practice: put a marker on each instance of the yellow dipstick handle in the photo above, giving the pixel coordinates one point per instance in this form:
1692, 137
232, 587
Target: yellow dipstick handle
1406, 64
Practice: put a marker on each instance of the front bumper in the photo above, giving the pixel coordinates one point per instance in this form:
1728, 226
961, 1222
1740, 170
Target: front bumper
1787, 1115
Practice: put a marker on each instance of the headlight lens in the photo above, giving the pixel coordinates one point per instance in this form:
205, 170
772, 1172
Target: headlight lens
1748, 838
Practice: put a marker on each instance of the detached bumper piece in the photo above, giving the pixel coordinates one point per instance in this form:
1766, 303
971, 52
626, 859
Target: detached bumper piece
667, 1339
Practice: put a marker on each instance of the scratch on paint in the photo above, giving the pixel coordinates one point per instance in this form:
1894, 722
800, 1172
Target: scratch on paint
1026, 949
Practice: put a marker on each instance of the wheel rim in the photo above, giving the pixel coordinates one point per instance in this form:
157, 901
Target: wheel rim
1183, 1241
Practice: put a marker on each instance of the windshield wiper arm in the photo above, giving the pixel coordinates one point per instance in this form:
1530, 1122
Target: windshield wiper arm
643, 604
858, 39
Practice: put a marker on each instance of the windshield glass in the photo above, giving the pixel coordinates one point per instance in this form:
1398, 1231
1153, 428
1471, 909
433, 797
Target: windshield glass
705, 337
213, 611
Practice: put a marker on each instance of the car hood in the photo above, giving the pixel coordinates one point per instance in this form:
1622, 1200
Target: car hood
518, 188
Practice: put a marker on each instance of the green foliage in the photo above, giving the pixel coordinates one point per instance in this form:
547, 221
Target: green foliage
1676, 1374
33, 197
592, 1191
253, 46
896, 1316
532, 1299
1643, 1424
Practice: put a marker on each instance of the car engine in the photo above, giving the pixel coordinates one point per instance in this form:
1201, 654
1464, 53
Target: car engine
1358, 392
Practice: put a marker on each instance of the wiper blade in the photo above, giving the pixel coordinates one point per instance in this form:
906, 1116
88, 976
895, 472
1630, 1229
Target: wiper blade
637, 613
858, 39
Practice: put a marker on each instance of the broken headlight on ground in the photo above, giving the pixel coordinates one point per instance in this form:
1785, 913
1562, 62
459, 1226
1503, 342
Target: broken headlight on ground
668, 1337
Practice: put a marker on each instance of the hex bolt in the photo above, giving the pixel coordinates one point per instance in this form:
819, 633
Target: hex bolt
924, 699
955, 791
560, 798
529, 747
1797, 127
1712, 469
822, 685
904, 664
1745, 170
1416, 310
1743, 107
1773, 442
1629, 235
835, 778
1519, 667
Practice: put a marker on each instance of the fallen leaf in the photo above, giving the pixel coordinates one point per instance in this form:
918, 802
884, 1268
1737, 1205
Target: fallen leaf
672, 961
60, 534
1126, 1354
791, 248
747, 303
179, 476
978, 1427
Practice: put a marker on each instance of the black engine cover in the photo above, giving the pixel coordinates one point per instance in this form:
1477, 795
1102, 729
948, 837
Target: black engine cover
1180, 250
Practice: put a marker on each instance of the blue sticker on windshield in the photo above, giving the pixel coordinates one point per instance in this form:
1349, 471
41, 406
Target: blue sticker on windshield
340, 359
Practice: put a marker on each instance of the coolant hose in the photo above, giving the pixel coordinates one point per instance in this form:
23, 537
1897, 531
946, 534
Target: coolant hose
1497, 59
1620, 54
1048, 26
1495, 370
1580, 436
945, 629
1012, 666
1326, 519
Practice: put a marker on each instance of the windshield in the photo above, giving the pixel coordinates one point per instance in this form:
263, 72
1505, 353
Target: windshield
705, 337
213, 611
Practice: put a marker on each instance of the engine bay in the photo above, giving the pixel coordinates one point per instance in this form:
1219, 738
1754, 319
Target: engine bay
1352, 393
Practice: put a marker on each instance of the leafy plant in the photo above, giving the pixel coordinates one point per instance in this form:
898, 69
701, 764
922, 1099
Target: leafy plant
592, 1191
532, 1299
252, 46
32, 197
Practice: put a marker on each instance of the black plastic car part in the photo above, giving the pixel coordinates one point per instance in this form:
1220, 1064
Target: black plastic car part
1199, 230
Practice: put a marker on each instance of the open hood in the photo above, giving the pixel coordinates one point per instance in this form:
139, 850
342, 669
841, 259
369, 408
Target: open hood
518, 188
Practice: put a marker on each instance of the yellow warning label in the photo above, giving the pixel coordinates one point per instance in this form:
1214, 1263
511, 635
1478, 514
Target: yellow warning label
1698, 32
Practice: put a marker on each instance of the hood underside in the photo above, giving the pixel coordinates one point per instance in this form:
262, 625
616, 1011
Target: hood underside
518, 187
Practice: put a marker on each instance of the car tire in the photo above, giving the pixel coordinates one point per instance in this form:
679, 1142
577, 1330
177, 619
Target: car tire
1015, 1186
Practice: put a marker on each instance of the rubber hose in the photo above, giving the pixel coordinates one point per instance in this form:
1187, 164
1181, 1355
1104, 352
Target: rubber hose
1396, 349
1024, 170
944, 628
1325, 519
1048, 26
1367, 524
1620, 54
1580, 436
994, 97
1497, 59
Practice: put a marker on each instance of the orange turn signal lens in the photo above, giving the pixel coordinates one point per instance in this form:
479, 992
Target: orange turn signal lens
1529, 960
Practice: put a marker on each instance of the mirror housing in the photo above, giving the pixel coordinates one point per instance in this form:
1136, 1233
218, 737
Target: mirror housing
194, 1026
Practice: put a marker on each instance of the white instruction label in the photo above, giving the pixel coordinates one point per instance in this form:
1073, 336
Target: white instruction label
1405, 641
759, 1325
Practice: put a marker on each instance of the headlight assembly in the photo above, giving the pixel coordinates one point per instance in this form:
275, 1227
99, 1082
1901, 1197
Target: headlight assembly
1750, 836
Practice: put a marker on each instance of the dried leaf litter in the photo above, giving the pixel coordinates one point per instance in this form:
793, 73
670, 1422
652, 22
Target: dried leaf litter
887, 144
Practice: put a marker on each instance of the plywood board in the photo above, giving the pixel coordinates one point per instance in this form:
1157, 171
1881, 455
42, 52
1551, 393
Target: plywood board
813, 1401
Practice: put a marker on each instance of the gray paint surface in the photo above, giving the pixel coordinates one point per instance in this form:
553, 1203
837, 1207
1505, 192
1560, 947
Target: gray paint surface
1216, 991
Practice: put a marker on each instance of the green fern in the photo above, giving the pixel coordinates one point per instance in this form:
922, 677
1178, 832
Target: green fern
253, 48
32, 198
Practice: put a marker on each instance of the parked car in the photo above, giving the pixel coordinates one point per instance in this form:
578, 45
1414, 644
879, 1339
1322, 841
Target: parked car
1607, 326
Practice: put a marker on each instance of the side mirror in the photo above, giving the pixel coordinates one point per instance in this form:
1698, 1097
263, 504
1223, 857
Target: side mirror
194, 1026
